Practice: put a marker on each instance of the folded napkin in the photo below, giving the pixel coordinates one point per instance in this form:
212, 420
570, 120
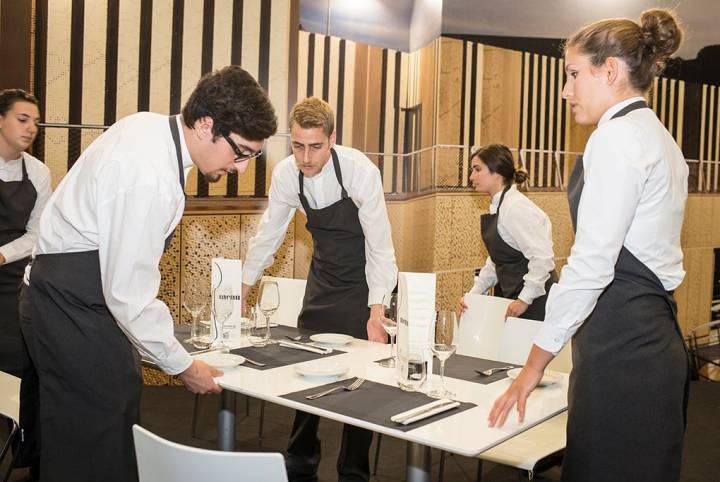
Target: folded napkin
424, 411
302, 346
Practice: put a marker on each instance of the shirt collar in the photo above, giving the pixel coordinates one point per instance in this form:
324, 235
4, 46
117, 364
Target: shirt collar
10, 163
186, 159
496, 198
616, 108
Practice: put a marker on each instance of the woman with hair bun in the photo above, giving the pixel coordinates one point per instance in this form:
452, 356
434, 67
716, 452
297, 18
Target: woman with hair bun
629, 384
520, 260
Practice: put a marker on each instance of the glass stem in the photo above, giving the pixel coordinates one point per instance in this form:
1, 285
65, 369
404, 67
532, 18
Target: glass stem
442, 375
393, 349
267, 325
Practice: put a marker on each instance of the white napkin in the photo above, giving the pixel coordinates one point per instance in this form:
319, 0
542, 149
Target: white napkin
302, 346
424, 411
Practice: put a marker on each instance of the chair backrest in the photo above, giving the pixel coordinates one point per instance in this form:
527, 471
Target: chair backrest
292, 292
10, 396
481, 326
160, 460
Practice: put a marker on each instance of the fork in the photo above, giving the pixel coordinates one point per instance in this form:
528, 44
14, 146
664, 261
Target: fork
294, 338
492, 371
348, 388
253, 362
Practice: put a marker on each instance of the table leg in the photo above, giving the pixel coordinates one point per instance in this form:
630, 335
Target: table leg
226, 421
418, 463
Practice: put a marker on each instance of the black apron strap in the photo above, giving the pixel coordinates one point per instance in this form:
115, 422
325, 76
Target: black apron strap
178, 150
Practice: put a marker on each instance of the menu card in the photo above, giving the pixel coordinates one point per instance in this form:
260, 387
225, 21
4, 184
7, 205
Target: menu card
226, 284
416, 313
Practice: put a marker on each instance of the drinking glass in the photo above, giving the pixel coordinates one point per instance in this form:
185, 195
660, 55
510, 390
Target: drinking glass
389, 322
443, 338
260, 329
412, 371
201, 330
268, 302
194, 300
223, 305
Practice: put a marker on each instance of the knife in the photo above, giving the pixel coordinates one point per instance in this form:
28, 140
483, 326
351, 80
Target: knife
429, 408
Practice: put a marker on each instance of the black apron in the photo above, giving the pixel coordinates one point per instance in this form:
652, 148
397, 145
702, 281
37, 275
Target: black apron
17, 200
511, 265
336, 301
628, 387
336, 294
89, 372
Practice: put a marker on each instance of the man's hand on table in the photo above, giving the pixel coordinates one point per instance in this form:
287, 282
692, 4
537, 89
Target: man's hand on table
198, 378
375, 329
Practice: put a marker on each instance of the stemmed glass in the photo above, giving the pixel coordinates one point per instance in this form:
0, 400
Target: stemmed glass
194, 301
268, 302
443, 338
389, 322
223, 305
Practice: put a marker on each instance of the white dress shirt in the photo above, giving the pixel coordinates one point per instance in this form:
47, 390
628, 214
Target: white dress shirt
123, 198
634, 196
525, 227
362, 182
39, 176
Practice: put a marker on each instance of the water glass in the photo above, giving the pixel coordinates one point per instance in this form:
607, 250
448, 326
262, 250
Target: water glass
443, 343
268, 303
260, 330
201, 333
412, 372
223, 305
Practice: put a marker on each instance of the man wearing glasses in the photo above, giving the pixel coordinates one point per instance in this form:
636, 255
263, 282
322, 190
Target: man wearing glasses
91, 304
353, 265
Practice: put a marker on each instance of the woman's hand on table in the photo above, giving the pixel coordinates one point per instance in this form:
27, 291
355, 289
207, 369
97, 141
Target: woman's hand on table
375, 329
516, 308
516, 394
198, 378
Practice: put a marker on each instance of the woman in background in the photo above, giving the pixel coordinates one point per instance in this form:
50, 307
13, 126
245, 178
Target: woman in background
518, 237
628, 386
24, 190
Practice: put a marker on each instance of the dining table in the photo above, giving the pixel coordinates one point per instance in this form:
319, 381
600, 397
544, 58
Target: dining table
464, 430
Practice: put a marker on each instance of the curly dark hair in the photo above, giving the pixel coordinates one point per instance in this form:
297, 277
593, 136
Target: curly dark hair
8, 97
235, 102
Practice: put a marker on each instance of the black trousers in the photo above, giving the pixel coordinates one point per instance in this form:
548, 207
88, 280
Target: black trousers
353, 464
89, 378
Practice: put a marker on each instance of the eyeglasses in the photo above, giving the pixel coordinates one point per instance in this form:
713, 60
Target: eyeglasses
241, 156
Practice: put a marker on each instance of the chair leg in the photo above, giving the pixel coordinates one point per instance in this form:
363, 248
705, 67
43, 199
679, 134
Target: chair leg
247, 405
377, 453
262, 420
196, 402
441, 467
479, 471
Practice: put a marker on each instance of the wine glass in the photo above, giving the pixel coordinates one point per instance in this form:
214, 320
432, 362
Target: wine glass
194, 301
223, 305
268, 302
443, 339
389, 322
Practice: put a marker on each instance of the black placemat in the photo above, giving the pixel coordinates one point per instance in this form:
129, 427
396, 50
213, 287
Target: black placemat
463, 367
373, 402
275, 356
182, 333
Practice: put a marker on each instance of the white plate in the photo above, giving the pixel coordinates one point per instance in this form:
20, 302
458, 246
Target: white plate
322, 368
335, 339
222, 360
548, 378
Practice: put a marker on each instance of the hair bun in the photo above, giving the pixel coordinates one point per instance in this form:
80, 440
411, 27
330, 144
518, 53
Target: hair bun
662, 34
520, 175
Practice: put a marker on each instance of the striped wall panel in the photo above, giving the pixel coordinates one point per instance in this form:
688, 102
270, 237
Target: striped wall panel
543, 120
97, 61
709, 144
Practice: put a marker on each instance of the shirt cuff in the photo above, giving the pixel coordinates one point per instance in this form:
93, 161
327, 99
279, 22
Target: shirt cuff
177, 361
551, 338
527, 296
10, 254
250, 277
375, 296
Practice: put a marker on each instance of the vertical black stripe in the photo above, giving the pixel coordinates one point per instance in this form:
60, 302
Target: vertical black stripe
237, 20
41, 27
208, 28
691, 120
326, 69
537, 157
461, 139
263, 80
111, 61
522, 102
396, 119
547, 118
341, 92
473, 95
235, 59
382, 113
77, 26
146, 7
676, 109
176, 48
311, 65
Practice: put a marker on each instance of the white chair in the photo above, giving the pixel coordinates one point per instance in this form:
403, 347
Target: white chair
160, 460
292, 292
9, 416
